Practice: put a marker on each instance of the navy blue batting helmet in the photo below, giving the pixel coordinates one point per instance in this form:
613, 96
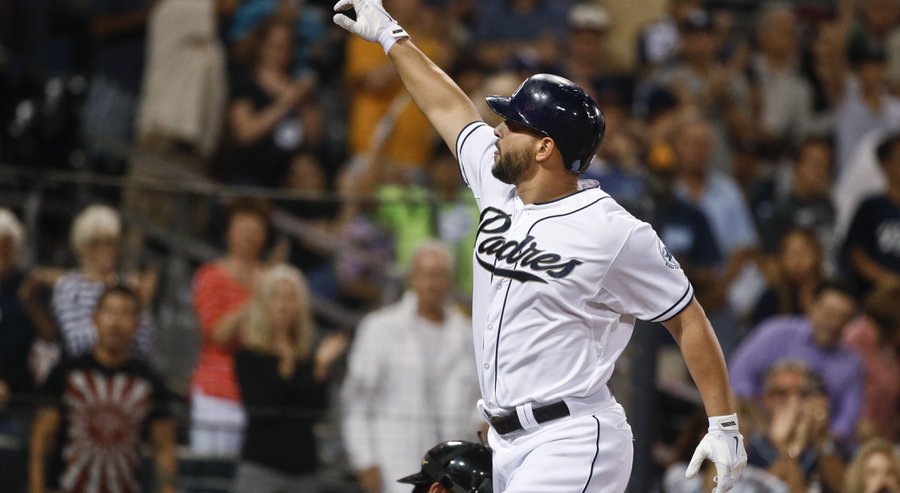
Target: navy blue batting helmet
558, 108
461, 467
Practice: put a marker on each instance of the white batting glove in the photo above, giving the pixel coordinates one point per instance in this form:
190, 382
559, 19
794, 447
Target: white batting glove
724, 446
372, 23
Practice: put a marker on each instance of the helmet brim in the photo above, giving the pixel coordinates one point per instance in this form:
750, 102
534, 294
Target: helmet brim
417, 478
502, 105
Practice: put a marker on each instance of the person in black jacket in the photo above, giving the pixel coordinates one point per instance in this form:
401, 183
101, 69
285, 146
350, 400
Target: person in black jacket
282, 379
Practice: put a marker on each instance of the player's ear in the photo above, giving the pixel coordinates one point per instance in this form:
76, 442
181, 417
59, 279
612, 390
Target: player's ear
543, 149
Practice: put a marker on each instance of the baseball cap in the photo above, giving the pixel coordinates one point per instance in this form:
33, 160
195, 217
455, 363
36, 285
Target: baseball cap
698, 21
589, 16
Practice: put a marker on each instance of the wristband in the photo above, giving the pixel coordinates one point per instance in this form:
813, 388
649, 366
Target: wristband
388, 37
723, 423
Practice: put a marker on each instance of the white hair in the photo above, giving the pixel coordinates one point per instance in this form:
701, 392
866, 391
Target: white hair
96, 221
432, 245
11, 227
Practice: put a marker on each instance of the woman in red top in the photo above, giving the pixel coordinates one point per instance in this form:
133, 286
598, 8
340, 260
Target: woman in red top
221, 291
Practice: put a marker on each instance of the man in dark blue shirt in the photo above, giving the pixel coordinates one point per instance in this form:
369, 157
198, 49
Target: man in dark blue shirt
873, 241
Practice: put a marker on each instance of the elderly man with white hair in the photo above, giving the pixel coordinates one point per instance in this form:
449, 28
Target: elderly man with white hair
95, 237
411, 378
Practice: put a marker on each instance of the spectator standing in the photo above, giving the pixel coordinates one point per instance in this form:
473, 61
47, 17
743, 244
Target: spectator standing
411, 378
221, 291
16, 335
876, 339
785, 97
270, 115
95, 237
807, 204
814, 339
99, 404
282, 377
381, 113
718, 196
794, 443
118, 30
873, 240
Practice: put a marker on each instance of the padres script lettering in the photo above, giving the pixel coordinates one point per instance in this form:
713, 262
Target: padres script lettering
524, 252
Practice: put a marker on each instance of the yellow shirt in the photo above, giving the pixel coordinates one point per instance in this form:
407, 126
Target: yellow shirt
412, 137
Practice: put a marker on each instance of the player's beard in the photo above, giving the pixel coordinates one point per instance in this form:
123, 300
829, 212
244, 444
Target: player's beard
512, 166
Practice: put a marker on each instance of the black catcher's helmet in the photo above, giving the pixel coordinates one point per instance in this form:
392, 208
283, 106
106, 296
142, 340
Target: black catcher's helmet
461, 467
558, 108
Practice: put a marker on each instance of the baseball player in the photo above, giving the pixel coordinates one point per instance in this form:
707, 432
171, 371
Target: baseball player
453, 467
561, 274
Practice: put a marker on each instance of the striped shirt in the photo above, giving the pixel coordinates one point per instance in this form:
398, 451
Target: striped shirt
74, 299
216, 294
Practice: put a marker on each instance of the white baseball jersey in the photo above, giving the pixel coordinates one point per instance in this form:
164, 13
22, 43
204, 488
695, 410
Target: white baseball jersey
559, 285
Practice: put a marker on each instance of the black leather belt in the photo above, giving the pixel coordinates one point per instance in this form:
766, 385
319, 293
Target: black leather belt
510, 422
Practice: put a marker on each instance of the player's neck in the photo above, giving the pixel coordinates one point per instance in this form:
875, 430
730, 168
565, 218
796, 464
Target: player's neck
542, 188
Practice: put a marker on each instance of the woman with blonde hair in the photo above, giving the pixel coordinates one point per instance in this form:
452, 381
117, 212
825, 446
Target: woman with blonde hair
875, 469
282, 375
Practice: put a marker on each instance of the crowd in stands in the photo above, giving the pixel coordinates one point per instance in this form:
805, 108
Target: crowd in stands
760, 139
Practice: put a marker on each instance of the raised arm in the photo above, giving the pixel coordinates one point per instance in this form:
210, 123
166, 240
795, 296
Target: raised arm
439, 98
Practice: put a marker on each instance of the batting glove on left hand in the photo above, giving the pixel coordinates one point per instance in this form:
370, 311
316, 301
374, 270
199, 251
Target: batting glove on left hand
724, 446
372, 23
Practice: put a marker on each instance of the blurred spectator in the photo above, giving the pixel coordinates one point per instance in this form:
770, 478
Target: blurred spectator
118, 29
865, 105
660, 42
873, 240
808, 203
381, 112
185, 87
876, 339
282, 374
586, 60
507, 29
310, 26
320, 213
721, 201
785, 97
271, 114
814, 340
618, 165
877, 22
96, 238
753, 479
719, 91
16, 330
16, 335
100, 405
875, 469
793, 279
221, 291
794, 443
411, 377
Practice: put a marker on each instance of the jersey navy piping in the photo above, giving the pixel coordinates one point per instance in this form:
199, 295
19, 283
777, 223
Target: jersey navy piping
596, 453
459, 145
663, 314
508, 286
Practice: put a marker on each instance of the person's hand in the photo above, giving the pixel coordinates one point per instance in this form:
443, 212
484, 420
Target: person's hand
723, 445
297, 90
331, 348
372, 23
784, 423
370, 480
